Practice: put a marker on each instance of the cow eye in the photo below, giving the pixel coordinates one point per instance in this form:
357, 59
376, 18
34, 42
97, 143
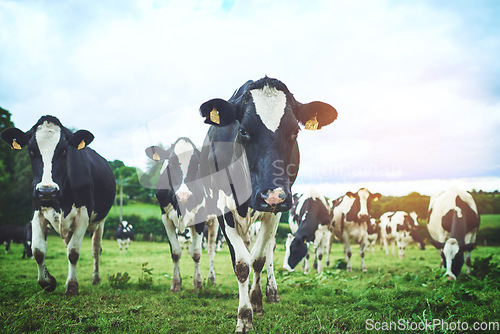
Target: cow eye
244, 134
293, 137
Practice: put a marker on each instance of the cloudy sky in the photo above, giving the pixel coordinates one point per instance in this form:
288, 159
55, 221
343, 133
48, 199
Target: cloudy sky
416, 84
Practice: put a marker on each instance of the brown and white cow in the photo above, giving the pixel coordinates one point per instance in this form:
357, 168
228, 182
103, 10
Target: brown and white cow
259, 124
400, 228
452, 225
351, 218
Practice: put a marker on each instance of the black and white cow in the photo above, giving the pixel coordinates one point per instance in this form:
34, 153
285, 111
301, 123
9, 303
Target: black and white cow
452, 225
124, 234
252, 144
17, 234
73, 190
401, 228
314, 219
351, 220
183, 202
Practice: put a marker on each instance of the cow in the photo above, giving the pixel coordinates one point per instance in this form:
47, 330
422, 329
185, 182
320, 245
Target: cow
351, 218
453, 222
401, 228
218, 241
314, 219
251, 145
19, 235
183, 202
73, 190
373, 233
124, 234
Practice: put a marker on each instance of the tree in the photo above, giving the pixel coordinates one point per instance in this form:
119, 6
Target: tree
15, 180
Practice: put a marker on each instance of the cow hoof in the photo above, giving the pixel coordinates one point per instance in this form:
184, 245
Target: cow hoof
96, 279
176, 286
245, 321
272, 296
348, 269
364, 270
72, 289
197, 284
327, 263
50, 285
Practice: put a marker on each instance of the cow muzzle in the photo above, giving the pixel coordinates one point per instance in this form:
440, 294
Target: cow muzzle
183, 196
46, 193
273, 200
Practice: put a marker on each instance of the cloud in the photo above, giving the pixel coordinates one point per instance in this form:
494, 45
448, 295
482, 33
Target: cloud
415, 84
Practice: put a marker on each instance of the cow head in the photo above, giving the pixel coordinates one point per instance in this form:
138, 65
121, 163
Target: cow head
373, 226
50, 147
295, 251
265, 118
452, 255
361, 204
180, 172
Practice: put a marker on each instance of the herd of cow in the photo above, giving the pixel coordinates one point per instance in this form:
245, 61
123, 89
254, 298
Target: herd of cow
242, 174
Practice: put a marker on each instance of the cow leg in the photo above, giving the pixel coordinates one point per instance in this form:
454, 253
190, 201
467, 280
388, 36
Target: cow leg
73, 246
176, 251
329, 249
119, 245
362, 248
392, 245
262, 252
96, 251
213, 228
271, 286
241, 265
347, 252
195, 250
467, 257
39, 247
305, 262
385, 245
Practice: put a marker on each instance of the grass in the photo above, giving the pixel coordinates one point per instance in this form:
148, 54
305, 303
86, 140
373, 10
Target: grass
144, 210
335, 301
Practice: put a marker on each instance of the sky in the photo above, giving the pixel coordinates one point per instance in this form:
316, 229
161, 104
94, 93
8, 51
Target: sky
416, 84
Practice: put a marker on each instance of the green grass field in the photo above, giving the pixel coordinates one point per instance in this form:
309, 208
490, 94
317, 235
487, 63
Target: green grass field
399, 290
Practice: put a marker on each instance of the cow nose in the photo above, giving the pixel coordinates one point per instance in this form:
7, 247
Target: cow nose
273, 200
274, 197
183, 196
46, 192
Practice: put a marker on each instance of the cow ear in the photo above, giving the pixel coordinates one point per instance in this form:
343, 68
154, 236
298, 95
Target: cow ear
81, 139
16, 138
437, 244
350, 194
218, 112
156, 153
376, 197
315, 115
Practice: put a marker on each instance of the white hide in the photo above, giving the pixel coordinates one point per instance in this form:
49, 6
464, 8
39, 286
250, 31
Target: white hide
270, 105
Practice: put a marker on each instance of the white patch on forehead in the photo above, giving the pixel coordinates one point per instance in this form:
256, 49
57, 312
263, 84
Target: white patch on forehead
270, 105
184, 151
363, 201
47, 137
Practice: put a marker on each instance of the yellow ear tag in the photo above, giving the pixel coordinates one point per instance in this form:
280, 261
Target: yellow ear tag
81, 145
15, 145
312, 124
156, 156
214, 116
375, 199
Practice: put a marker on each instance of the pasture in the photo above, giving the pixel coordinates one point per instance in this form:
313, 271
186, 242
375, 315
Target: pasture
405, 291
